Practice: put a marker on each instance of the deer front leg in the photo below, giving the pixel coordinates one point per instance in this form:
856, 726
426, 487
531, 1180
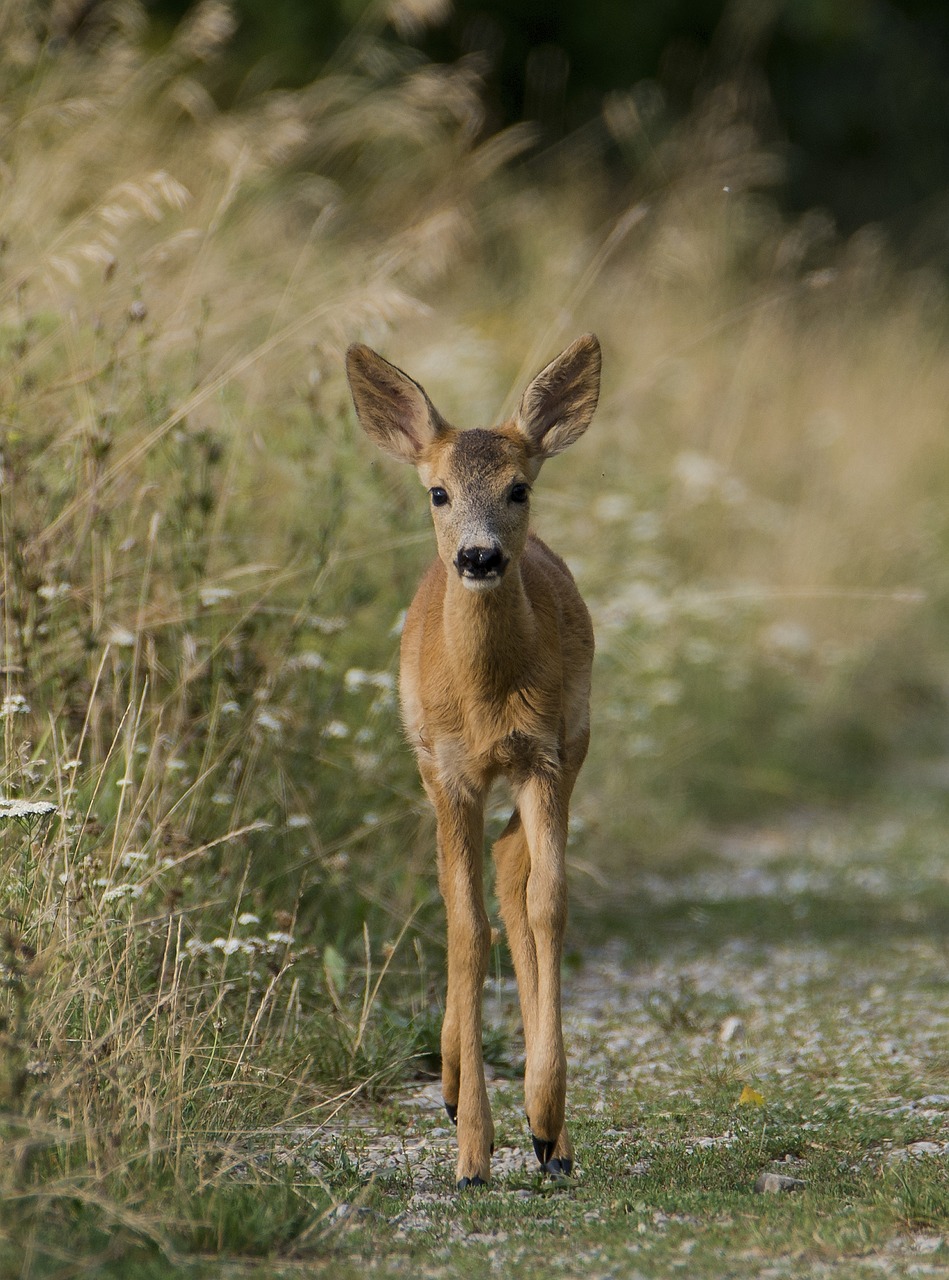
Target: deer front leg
543, 807
460, 837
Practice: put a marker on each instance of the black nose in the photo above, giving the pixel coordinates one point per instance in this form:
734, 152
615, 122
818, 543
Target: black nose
480, 562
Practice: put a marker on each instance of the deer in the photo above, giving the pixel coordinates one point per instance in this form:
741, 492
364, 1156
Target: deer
494, 680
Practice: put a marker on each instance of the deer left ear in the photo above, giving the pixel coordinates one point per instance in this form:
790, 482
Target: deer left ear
393, 409
559, 404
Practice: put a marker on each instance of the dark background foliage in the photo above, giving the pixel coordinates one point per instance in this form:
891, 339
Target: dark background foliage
855, 91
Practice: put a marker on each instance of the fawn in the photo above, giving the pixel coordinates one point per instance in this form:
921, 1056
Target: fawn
496, 655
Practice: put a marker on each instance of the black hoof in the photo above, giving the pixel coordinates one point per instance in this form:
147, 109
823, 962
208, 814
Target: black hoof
465, 1183
543, 1150
452, 1109
559, 1168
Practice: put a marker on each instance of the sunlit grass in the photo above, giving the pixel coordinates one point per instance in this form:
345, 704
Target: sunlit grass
227, 919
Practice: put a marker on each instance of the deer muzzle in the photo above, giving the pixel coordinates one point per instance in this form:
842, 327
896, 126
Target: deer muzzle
481, 565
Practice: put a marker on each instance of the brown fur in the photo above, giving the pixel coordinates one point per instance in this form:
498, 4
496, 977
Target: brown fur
495, 681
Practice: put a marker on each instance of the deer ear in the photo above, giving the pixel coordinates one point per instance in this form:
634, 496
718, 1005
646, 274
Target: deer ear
394, 411
557, 407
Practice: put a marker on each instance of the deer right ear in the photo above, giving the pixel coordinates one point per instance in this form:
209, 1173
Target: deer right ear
556, 408
394, 411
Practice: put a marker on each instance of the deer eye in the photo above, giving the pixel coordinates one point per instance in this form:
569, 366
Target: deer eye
520, 493
439, 496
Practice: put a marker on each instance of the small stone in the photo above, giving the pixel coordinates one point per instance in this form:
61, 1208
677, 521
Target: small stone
927, 1243
773, 1183
732, 1031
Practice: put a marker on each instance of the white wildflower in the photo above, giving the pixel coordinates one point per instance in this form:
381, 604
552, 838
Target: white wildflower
328, 626
698, 474
613, 507
229, 946
210, 596
280, 938
26, 808
14, 704
133, 858
222, 798
122, 638
248, 917
639, 601
297, 820
790, 639
665, 693
267, 720
230, 708
118, 891
336, 729
309, 660
355, 678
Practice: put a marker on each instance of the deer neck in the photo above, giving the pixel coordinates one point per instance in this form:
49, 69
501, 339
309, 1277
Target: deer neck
489, 633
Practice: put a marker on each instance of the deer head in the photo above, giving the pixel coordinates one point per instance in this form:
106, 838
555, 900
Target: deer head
479, 480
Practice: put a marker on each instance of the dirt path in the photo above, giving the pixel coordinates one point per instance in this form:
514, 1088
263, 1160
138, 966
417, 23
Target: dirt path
780, 1007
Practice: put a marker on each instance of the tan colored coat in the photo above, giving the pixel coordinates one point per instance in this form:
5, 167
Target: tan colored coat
496, 657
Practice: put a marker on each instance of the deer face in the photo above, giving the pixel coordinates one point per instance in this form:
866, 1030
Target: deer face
479, 483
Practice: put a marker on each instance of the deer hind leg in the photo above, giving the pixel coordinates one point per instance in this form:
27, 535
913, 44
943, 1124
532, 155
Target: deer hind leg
512, 859
460, 835
532, 885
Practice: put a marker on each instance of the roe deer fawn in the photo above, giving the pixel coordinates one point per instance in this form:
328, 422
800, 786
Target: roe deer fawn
497, 649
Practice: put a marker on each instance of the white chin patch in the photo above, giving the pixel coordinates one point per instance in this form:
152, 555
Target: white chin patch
481, 584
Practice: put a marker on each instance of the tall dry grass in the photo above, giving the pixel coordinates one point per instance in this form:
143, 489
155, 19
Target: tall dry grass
226, 921
191, 558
